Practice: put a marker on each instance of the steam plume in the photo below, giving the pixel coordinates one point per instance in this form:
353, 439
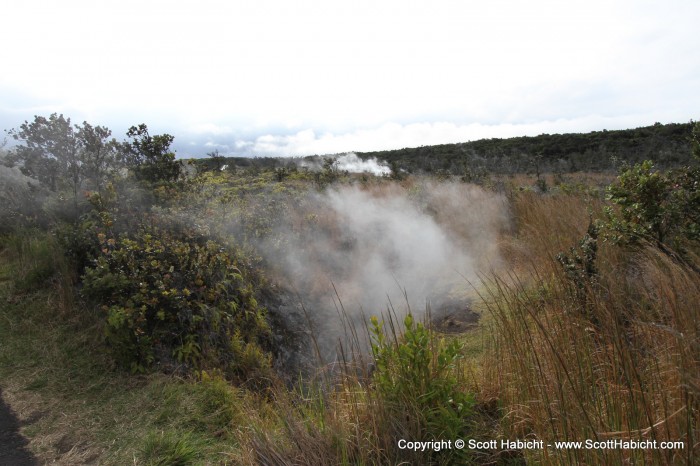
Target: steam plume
387, 246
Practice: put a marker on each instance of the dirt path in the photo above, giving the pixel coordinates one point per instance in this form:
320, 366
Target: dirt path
13, 445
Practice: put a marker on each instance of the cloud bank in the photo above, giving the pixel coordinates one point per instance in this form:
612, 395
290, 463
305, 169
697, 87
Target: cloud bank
397, 136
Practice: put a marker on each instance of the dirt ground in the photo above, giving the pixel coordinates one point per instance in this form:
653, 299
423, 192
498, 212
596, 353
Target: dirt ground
13, 446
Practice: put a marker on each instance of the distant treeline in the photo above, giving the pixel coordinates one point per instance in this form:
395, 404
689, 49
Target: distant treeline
666, 145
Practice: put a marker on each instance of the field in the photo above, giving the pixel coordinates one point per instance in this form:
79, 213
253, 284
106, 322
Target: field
288, 315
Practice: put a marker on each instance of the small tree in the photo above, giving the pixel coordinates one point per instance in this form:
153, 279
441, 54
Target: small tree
149, 156
395, 170
49, 152
64, 156
217, 159
330, 169
99, 154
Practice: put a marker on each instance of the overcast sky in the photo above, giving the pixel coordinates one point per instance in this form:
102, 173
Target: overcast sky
280, 77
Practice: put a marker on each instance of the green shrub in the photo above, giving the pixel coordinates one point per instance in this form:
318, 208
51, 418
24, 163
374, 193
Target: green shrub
660, 207
416, 380
581, 271
165, 291
541, 185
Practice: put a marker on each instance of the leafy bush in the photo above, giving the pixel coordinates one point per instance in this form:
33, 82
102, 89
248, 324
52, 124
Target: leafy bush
168, 292
580, 269
648, 208
656, 206
416, 380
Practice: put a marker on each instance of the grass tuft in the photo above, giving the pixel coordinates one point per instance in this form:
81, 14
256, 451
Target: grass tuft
169, 449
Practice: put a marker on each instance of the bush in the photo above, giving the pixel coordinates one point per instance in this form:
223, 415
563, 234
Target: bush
168, 295
660, 207
40, 261
415, 378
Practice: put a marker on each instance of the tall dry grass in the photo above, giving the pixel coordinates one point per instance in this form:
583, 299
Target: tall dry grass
356, 413
613, 355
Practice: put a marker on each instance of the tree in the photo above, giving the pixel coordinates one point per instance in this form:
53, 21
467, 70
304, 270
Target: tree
50, 151
149, 156
64, 156
99, 154
218, 159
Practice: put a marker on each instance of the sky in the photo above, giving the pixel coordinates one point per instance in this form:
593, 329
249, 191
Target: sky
282, 78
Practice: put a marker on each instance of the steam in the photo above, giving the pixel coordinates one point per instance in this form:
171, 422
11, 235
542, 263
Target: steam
351, 163
22, 198
350, 253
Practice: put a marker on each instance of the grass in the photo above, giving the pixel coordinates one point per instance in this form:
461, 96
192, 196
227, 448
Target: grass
169, 449
612, 358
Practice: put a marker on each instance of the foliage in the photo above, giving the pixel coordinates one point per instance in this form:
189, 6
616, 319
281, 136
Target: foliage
218, 160
149, 156
541, 185
416, 378
581, 270
100, 154
661, 207
22, 200
174, 294
60, 154
39, 260
164, 292
594, 151
395, 173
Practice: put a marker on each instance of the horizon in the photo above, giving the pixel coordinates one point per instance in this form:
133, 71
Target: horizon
314, 78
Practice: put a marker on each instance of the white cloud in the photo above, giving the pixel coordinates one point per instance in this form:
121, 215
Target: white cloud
396, 136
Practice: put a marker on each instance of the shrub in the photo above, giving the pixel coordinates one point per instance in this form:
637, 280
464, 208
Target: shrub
663, 208
149, 156
165, 291
22, 200
581, 271
415, 378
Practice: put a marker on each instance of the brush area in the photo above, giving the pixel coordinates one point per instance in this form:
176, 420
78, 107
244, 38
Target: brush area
298, 313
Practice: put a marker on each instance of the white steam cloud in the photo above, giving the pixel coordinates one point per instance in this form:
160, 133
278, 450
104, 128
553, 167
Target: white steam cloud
353, 164
387, 246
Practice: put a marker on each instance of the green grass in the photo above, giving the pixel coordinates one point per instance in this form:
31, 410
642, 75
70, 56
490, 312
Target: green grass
169, 449
56, 373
